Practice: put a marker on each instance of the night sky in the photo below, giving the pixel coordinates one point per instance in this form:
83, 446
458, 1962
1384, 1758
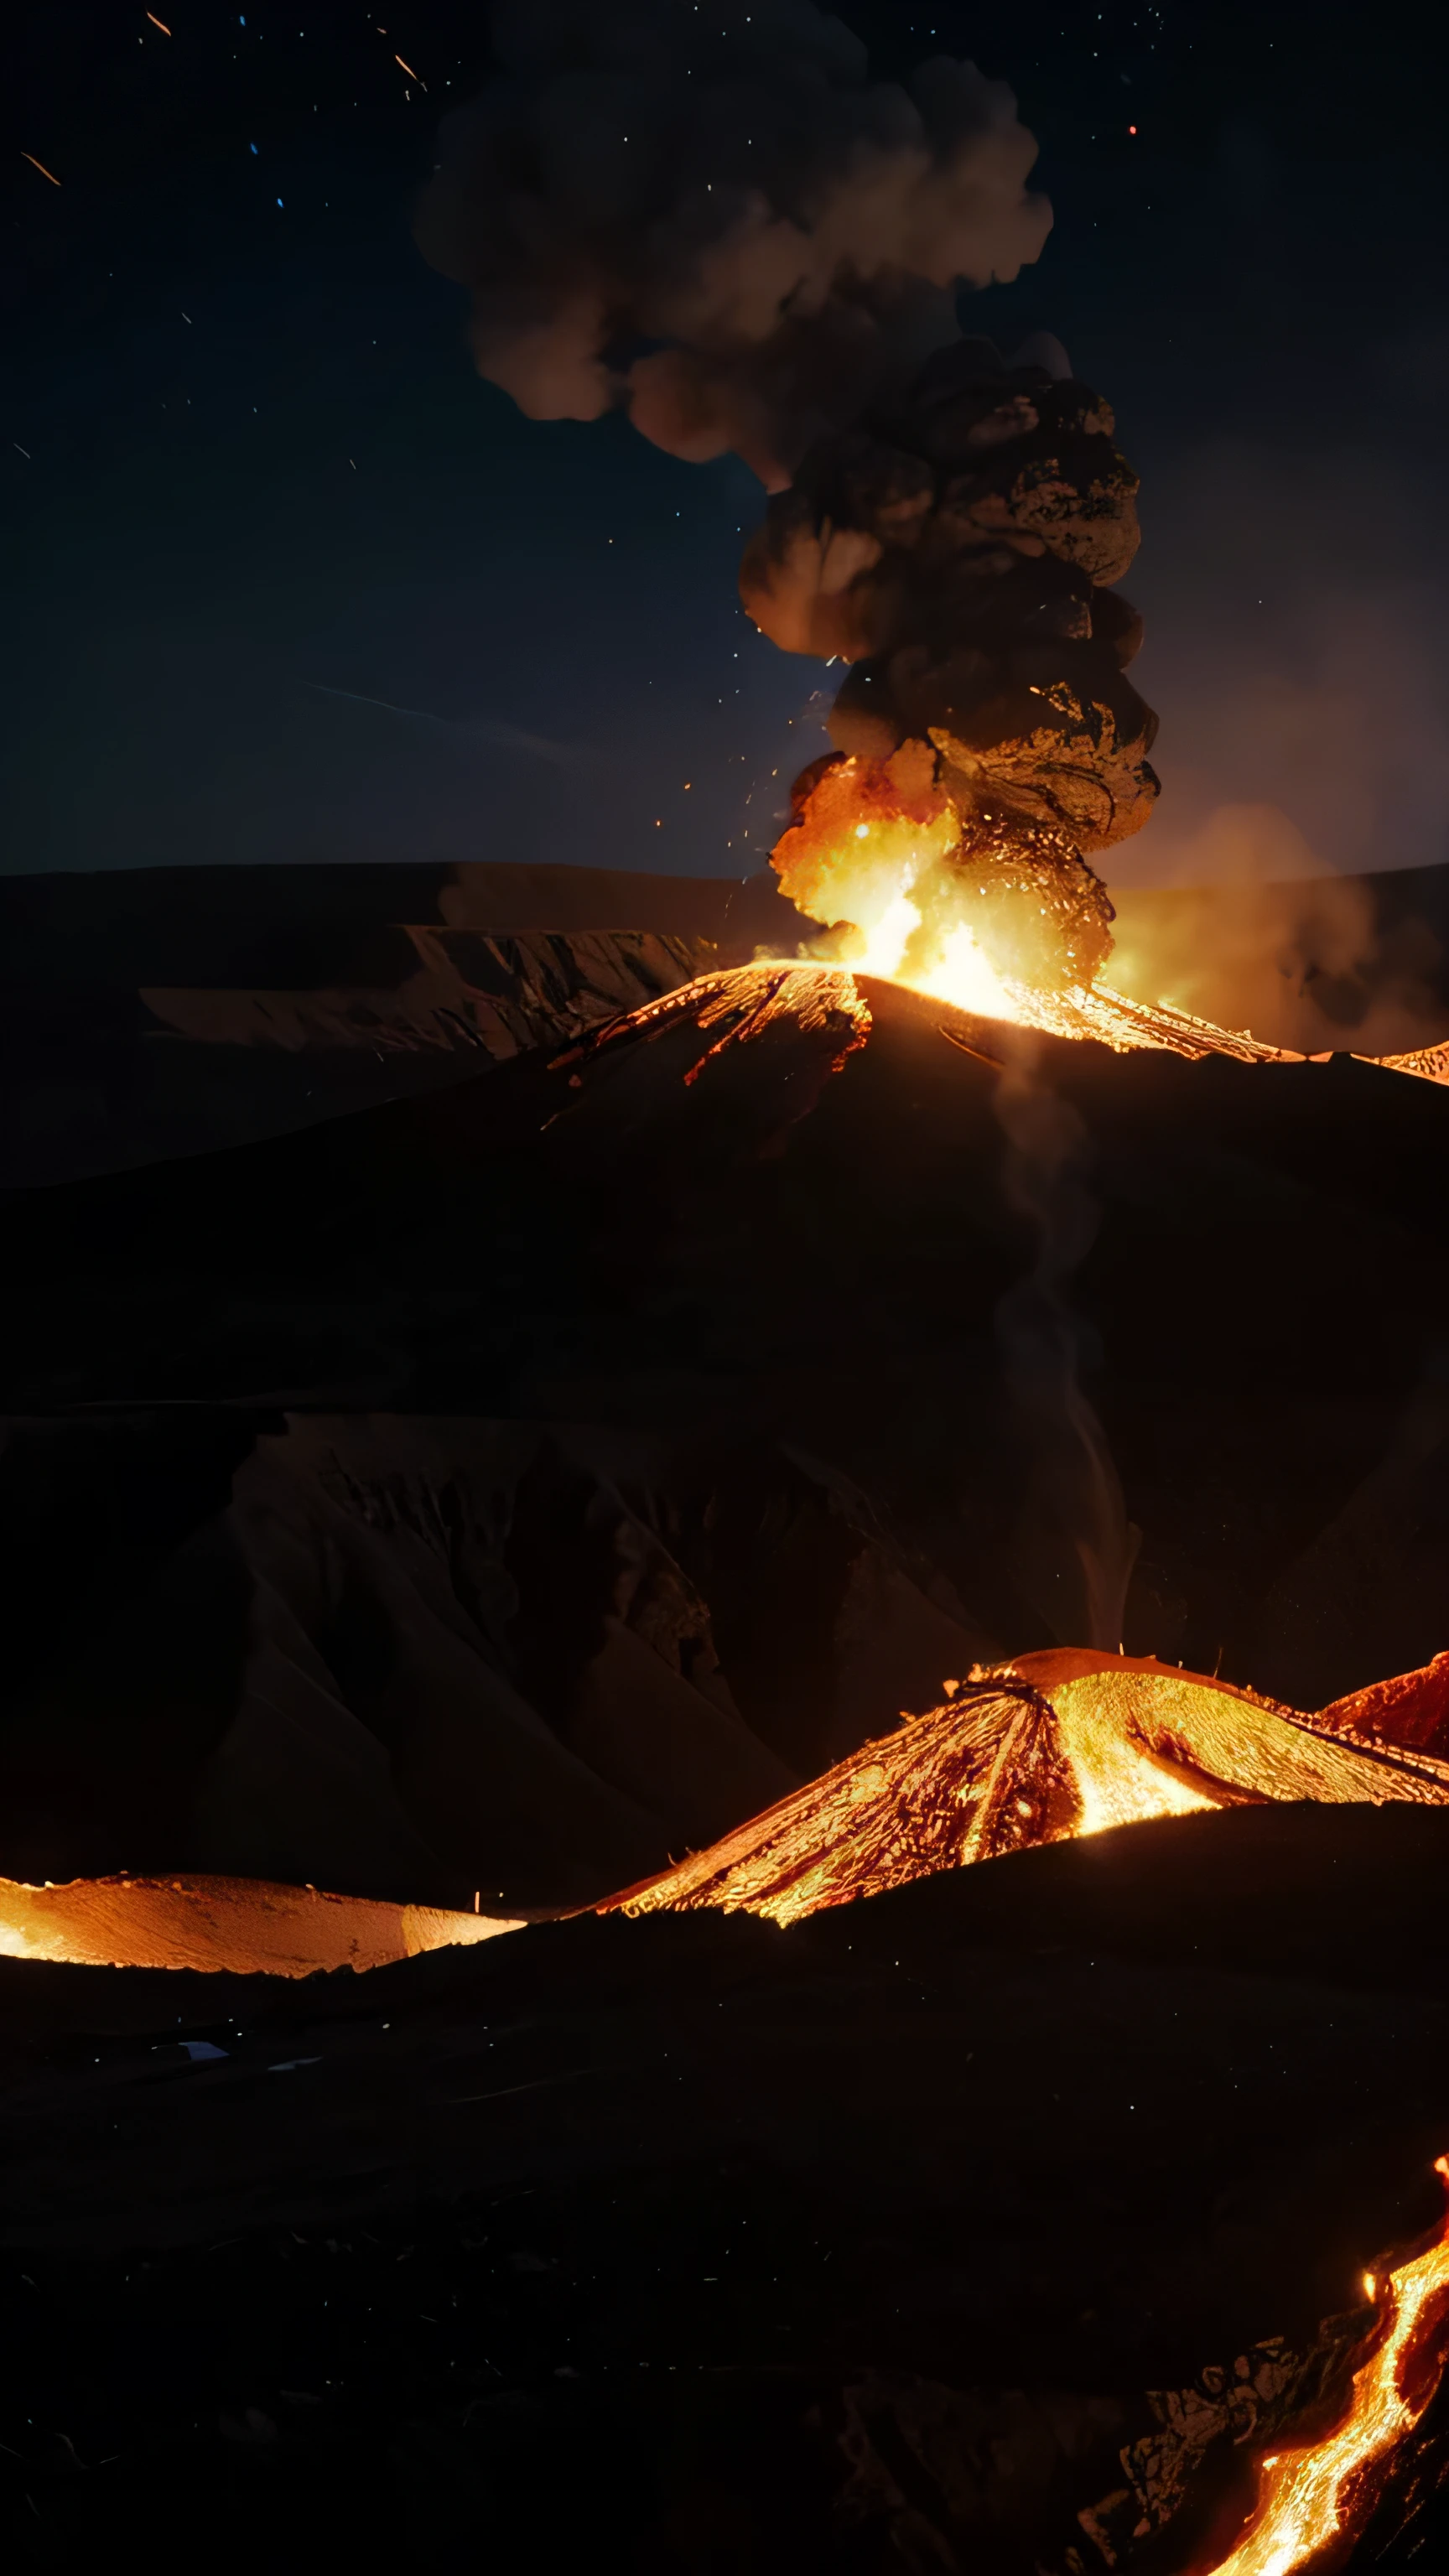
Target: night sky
285, 581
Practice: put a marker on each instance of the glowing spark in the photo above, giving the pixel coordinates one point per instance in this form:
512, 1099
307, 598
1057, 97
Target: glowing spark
1370, 2286
40, 166
157, 22
412, 75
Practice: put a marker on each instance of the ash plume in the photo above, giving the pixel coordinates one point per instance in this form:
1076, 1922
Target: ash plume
959, 547
715, 220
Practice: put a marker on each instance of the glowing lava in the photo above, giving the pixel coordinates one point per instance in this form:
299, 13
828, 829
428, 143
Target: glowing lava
928, 886
244, 1926
1053, 1746
1308, 2498
1059, 1744
982, 907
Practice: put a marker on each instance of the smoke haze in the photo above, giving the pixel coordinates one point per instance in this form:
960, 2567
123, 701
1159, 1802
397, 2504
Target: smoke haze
722, 226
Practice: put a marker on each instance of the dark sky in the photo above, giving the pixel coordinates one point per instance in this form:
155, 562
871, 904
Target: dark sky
252, 483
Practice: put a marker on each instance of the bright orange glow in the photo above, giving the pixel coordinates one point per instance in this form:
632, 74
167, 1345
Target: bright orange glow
869, 851
1305, 2497
1054, 1745
1118, 1782
988, 911
241, 1926
158, 22
40, 166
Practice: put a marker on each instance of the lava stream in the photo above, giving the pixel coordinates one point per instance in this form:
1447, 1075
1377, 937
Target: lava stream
1305, 2498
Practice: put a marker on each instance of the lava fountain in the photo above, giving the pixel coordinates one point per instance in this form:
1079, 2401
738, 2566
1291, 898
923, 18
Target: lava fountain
958, 547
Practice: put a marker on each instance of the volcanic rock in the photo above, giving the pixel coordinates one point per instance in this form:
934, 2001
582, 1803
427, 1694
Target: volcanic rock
435, 1659
607, 1243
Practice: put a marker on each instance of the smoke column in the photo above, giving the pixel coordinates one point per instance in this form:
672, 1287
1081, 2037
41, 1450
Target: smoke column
715, 220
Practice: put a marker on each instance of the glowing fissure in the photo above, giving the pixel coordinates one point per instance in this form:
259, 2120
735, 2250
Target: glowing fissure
1118, 1782
1305, 2497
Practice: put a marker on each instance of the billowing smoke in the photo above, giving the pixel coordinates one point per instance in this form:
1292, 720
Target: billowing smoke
1306, 965
957, 548
712, 217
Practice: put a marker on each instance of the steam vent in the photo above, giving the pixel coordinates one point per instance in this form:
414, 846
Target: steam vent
960, 550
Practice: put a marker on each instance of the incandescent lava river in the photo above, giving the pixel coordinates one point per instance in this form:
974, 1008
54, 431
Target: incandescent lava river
1050, 1747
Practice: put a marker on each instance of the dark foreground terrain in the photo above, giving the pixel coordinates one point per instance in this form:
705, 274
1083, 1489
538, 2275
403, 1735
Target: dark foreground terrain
510, 1488
690, 2244
504, 1488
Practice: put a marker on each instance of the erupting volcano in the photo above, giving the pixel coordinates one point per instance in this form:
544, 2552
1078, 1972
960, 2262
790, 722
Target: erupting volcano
722, 226
957, 549
701, 1865
781, 241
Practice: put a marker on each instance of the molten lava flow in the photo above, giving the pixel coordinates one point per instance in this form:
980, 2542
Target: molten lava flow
244, 1926
1310, 2497
1056, 1745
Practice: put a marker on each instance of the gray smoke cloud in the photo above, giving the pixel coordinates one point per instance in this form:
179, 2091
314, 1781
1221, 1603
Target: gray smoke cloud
713, 218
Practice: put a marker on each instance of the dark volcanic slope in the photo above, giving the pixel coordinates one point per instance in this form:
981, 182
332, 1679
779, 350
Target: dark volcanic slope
424, 1658
174, 1010
602, 2237
516, 1488
771, 1250
169, 1011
